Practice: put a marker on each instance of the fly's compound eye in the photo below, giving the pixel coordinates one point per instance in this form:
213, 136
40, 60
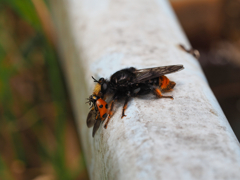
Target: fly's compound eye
104, 86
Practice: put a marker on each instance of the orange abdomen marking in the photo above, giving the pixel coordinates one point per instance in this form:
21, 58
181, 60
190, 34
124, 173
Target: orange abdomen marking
102, 108
164, 82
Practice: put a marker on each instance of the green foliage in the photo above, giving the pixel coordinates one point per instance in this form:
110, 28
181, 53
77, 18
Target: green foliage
31, 83
26, 11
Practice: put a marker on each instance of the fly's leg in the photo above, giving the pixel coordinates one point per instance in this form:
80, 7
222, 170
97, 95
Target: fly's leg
158, 93
125, 106
110, 113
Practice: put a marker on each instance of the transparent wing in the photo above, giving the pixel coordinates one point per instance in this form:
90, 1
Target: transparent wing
96, 126
91, 118
143, 75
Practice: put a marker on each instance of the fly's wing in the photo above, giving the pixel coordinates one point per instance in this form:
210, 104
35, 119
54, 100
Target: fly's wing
96, 127
91, 118
143, 75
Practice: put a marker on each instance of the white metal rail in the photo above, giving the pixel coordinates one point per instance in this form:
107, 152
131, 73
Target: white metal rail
186, 138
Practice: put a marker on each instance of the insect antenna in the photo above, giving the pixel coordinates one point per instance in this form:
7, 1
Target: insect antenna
95, 80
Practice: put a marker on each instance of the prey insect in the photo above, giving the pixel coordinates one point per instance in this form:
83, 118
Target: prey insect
131, 82
98, 112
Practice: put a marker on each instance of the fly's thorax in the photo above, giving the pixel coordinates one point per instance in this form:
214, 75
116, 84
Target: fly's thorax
122, 77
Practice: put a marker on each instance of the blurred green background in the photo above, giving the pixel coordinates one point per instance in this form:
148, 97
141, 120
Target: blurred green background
38, 137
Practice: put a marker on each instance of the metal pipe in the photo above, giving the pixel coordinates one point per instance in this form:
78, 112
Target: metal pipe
186, 138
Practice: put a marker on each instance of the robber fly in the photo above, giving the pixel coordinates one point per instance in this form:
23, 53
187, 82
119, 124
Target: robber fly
131, 82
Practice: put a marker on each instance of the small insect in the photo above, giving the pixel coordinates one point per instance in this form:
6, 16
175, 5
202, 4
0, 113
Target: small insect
127, 83
192, 51
98, 112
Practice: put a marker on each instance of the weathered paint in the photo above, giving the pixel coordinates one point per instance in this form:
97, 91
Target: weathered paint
187, 138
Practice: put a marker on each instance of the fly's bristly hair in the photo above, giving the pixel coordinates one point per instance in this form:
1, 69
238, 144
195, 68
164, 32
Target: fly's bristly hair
89, 102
